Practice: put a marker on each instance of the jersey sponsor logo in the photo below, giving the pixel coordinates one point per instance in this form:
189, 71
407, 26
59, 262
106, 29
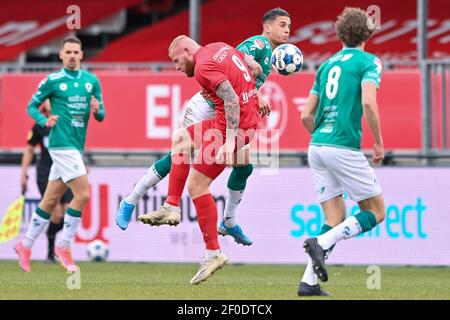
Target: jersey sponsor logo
221, 54
247, 95
63, 86
88, 87
259, 43
326, 129
77, 123
276, 123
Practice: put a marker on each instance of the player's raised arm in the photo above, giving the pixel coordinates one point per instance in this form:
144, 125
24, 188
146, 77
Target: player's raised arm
232, 114
371, 114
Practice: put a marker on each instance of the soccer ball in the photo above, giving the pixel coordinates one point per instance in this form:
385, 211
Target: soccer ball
97, 251
287, 59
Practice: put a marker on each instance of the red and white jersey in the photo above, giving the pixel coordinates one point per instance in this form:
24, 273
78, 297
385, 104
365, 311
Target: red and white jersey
218, 62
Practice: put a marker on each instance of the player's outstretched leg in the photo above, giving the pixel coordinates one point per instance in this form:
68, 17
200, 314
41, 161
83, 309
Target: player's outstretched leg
236, 186
170, 212
152, 177
373, 212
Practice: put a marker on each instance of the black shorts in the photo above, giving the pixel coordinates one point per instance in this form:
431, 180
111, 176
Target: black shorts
66, 198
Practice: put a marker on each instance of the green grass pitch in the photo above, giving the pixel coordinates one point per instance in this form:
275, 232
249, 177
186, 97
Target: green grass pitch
246, 282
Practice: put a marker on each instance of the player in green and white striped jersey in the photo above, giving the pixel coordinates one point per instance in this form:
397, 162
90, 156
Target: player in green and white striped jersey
345, 89
73, 95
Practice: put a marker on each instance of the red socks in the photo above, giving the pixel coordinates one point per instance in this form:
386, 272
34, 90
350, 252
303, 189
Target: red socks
179, 172
204, 205
207, 220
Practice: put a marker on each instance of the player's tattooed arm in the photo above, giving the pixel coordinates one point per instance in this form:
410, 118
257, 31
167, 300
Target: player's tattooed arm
230, 99
254, 66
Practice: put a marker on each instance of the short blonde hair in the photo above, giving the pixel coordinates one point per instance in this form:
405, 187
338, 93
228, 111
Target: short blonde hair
176, 41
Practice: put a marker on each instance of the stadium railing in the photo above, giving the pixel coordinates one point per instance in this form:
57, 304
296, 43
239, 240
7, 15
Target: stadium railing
157, 66
31, 67
142, 158
436, 106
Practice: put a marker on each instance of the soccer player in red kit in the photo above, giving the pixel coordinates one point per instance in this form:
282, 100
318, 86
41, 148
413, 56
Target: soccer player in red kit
227, 76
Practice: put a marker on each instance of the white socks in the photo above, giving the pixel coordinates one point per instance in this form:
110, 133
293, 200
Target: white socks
229, 216
212, 254
70, 229
37, 225
346, 230
309, 276
146, 182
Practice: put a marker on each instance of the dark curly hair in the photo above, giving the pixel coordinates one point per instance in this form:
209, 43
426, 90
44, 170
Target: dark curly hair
354, 26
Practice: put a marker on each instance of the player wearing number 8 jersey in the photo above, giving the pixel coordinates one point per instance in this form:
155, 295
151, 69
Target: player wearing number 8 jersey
338, 87
345, 89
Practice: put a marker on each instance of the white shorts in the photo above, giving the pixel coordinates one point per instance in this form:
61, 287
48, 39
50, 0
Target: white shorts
338, 170
67, 165
197, 110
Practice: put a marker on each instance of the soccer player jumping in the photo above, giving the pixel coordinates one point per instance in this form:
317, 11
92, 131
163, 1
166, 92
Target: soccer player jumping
276, 29
345, 89
224, 76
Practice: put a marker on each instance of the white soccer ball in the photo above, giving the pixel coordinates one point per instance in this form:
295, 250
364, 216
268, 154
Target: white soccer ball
287, 59
97, 251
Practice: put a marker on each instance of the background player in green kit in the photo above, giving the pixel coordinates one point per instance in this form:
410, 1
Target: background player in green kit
70, 91
276, 28
345, 89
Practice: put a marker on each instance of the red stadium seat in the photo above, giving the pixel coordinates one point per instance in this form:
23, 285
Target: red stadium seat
312, 29
25, 25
